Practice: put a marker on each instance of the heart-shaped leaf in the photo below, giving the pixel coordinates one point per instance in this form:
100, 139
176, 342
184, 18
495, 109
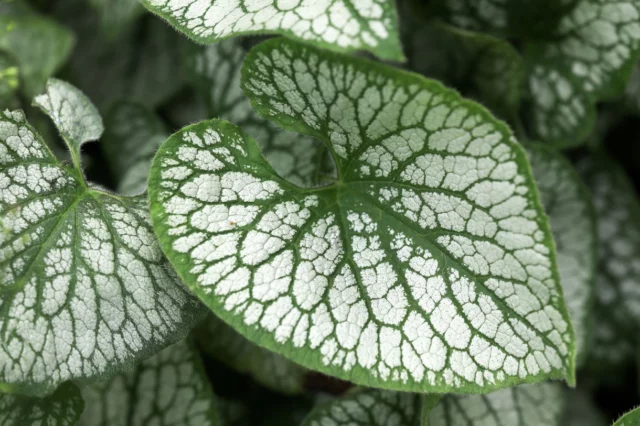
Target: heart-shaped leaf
344, 25
428, 265
85, 287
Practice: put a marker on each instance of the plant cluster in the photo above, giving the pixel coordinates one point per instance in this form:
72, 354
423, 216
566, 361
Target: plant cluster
319, 212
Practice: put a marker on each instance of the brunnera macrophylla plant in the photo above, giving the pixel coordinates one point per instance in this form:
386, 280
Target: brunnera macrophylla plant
330, 224
405, 273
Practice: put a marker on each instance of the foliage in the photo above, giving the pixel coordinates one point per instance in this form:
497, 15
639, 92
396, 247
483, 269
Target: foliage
319, 212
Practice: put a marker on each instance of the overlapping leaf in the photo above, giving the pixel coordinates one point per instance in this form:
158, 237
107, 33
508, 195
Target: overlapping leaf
525, 405
85, 287
215, 71
170, 388
344, 25
617, 291
62, 408
266, 367
429, 265
572, 219
368, 408
38, 45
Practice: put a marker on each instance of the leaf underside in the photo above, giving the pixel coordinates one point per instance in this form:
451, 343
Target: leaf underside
429, 265
85, 287
344, 25
170, 388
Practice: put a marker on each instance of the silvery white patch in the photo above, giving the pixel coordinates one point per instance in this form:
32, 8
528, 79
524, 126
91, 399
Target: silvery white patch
170, 388
85, 287
345, 25
568, 204
429, 265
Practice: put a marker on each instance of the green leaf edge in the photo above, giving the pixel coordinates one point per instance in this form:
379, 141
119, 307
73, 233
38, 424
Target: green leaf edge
585, 195
389, 49
632, 417
357, 374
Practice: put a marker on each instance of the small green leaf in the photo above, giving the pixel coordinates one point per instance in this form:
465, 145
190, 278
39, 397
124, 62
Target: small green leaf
343, 25
525, 405
632, 418
429, 265
568, 204
39, 46
62, 408
170, 388
266, 367
369, 407
215, 71
77, 120
618, 299
482, 67
133, 134
85, 288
